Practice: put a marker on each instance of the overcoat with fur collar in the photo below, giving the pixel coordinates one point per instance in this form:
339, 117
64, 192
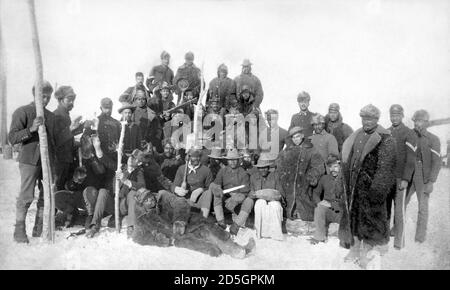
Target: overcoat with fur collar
367, 186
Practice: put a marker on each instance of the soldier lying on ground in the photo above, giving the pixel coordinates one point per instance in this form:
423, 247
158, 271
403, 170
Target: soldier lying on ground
161, 222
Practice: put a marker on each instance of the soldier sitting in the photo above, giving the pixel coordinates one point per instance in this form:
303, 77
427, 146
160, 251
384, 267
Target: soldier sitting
131, 179
328, 209
231, 177
192, 183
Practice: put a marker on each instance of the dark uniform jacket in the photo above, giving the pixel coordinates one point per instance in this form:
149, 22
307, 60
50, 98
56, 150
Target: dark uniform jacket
255, 85
428, 151
330, 189
19, 133
133, 137
369, 174
192, 74
221, 88
161, 73
65, 147
108, 132
169, 167
338, 129
137, 181
406, 151
303, 120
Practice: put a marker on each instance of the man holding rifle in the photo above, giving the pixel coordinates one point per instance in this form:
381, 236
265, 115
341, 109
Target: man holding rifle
192, 181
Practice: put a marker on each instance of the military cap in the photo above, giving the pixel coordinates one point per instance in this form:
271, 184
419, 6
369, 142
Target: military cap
317, 119
334, 107
164, 54
246, 62
64, 91
106, 103
46, 88
370, 111
295, 130
189, 55
126, 106
303, 96
139, 74
223, 68
421, 115
396, 109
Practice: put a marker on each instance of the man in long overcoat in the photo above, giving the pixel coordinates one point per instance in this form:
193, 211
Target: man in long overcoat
368, 158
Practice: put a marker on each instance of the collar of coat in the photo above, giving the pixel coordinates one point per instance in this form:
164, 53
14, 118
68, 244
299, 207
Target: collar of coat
373, 141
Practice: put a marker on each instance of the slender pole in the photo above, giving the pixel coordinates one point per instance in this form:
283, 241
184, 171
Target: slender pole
3, 90
49, 198
117, 181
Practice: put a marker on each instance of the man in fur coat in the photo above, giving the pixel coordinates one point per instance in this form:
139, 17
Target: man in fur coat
300, 168
159, 223
368, 158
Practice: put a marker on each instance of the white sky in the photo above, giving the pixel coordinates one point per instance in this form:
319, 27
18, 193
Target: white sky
352, 52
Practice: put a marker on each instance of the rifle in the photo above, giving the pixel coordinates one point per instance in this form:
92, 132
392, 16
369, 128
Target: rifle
184, 183
179, 106
118, 171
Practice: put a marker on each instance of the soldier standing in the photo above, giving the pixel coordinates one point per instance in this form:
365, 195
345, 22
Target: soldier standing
160, 73
406, 158
304, 117
323, 141
191, 73
246, 78
24, 131
368, 157
426, 171
335, 126
221, 86
66, 130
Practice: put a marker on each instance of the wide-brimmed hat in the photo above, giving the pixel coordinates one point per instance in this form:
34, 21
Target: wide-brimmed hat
246, 62
127, 106
216, 153
232, 154
265, 160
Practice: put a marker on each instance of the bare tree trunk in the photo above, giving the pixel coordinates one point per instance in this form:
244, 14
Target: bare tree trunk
3, 91
49, 198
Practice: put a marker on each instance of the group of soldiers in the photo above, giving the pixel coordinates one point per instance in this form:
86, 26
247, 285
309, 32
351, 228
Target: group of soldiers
323, 171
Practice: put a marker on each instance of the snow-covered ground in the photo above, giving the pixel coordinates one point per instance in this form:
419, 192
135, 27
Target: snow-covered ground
112, 251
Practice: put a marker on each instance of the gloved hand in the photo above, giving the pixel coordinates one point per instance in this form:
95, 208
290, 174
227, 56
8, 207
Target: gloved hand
180, 191
402, 185
38, 121
428, 187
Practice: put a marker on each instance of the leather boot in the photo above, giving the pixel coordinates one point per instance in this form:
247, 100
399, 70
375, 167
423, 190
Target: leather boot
94, 229
38, 223
20, 234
